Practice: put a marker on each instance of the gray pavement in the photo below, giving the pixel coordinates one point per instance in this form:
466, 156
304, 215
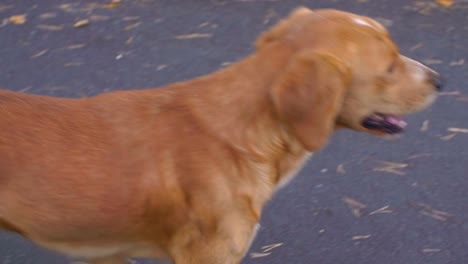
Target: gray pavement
347, 205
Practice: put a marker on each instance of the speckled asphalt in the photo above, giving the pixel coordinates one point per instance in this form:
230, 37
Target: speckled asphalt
343, 207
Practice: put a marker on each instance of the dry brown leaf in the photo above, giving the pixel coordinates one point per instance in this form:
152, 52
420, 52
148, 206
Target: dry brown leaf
129, 40
448, 137
340, 169
47, 15
81, 23
259, 255
384, 21
73, 64
17, 19
113, 4
450, 93
194, 36
416, 156
417, 46
271, 247
361, 237
427, 210
392, 167
75, 46
431, 250
40, 53
445, 2
50, 27
161, 67
425, 126
270, 14
130, 18
5, 7
457, 63
25, 89
433, 61
132, 26
457, 130
383, 210
355, 206
97, 18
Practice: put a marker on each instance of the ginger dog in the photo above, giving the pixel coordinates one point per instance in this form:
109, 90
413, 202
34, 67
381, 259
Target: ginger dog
183, 171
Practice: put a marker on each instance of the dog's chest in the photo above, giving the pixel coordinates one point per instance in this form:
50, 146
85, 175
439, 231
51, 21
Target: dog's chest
290, 168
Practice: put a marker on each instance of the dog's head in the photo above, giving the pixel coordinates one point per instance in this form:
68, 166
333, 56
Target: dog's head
345, 72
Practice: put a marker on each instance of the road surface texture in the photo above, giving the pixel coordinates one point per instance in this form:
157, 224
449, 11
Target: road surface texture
362, 200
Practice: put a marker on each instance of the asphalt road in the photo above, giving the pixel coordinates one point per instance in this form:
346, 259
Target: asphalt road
347, 205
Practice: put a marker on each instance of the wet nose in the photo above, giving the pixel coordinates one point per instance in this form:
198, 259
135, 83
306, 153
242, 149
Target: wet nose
438, 81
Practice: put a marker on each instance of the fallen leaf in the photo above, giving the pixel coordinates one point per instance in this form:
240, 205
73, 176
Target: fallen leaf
5, 7
427, 210
384, 21
25, 89
448, 137
73, 64
40, 53
431, 250
194, 36
75, 46
130, 18
259, 255
97, 18
270, 14
204, 24
47, 15
271, 247
355, 206
113, 4
392, 167
383, 210
445, 2
340, 169
361, 237
132, 26
161, 67
457, 130
129, 40
17, 19
457, 63
425, 126
416, 156
450, 93
433, 62
417, 46
81, 23
50, 27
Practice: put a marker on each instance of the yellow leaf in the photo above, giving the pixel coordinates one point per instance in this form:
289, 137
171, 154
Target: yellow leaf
445, 2
81, 23
18, 19
113, 4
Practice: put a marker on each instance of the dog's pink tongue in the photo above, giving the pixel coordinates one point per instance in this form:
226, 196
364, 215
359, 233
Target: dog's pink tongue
396, 120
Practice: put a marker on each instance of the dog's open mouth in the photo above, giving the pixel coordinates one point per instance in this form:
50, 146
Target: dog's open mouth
389, 124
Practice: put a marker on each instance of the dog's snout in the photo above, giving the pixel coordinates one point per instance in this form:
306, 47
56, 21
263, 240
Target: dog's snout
438, 81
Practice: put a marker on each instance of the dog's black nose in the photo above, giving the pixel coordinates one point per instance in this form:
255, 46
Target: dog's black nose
438, 81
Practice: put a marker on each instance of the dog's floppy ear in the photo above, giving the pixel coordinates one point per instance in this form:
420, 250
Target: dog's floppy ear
308, 96
281, 29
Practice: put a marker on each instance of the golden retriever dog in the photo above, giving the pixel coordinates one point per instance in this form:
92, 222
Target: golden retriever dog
183, 171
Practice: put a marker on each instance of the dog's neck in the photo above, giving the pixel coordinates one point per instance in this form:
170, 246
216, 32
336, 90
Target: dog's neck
239, 111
